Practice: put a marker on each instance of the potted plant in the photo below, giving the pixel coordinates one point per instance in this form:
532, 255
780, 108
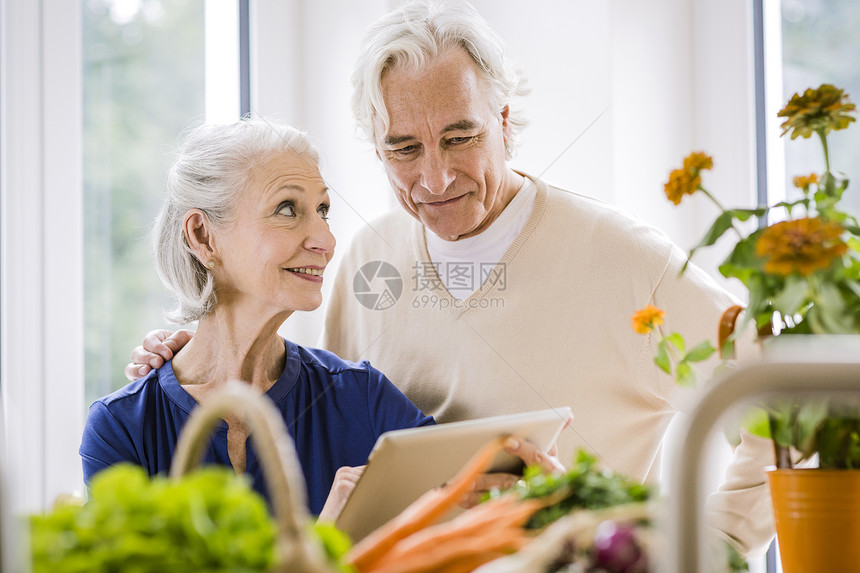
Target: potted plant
801, 269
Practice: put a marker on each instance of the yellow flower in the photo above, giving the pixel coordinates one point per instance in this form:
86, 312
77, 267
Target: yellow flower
817, 110
645, 320
804, 181
680, 183
801, 246
686, 180
697, 161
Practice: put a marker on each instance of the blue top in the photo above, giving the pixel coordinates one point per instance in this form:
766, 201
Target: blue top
334, 411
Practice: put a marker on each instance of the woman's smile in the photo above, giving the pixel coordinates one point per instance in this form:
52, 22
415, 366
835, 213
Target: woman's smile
313, 274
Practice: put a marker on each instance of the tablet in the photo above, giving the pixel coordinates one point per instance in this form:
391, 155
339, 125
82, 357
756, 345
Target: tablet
407, 463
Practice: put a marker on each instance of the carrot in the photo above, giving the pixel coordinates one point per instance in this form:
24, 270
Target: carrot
483, 520
468, 564
425, 510
453, 551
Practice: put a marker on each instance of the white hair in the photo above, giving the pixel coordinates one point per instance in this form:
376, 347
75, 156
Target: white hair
414, 34
213, 167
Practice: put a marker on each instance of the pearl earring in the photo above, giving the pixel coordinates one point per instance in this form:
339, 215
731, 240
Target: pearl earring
211, 263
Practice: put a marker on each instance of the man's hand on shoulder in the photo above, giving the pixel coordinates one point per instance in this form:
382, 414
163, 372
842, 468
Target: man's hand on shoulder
158, 347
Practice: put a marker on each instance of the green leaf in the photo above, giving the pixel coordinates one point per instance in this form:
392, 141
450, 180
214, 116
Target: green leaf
743, 263
728, 347
723, 223
829, 314
676, 340
853, 286
838, 442
756, 422
701, 351
685, 375
335, 543
788, 206
736, 561
661, 359
584, 486
809, 417
781, 418
792, 297
209, 521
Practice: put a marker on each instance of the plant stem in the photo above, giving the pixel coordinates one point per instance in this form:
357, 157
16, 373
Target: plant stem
712, 198
721, 208
814, 288
781, 453
823, 138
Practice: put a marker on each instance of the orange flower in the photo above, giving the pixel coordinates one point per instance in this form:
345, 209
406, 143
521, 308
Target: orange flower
802, 246
804, 181
697, 161
818, 110
681, 183
686, 180
645, 320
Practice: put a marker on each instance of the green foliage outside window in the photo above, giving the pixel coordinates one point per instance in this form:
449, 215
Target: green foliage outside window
143, 82
819, 44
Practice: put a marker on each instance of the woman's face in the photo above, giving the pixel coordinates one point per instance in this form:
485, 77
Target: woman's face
273, 254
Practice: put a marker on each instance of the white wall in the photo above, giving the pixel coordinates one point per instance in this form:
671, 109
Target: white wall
682, 80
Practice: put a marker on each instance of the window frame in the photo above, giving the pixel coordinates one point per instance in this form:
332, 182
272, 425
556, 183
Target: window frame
42, 256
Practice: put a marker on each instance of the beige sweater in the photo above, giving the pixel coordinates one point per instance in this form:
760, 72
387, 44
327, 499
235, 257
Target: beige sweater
550, 327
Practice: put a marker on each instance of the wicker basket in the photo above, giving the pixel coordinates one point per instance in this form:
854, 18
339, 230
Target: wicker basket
298, 551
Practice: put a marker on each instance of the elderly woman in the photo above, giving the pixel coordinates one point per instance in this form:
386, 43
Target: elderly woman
243, 242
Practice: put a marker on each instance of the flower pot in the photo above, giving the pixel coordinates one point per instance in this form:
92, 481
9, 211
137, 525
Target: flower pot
817, 515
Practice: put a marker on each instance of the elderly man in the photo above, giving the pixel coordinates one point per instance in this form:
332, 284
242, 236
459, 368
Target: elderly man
503, 294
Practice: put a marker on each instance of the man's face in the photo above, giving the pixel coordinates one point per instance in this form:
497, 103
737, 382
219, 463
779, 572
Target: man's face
444, 152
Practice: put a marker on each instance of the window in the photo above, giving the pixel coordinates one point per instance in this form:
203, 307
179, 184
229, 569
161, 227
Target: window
808, 43
86, 86
820, 45
150, 69
143, 79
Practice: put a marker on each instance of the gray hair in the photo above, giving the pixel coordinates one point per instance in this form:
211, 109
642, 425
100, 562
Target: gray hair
213, 167
417, 32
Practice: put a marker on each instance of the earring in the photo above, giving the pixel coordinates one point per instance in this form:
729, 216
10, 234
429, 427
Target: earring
211, 263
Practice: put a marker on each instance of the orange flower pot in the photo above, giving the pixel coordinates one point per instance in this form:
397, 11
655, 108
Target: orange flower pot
817, 514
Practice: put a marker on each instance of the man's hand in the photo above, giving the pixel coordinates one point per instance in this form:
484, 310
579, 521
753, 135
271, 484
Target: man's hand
344, 482
534, 456
158, 347
528, 453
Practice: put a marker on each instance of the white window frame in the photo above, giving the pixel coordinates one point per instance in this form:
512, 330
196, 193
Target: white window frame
42, 250
222, 64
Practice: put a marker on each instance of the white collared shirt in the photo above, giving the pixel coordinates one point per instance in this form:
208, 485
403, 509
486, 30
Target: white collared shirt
462, 265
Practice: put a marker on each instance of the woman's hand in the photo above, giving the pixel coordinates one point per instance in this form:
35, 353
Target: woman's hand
529, 453
344, 482
158, 347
